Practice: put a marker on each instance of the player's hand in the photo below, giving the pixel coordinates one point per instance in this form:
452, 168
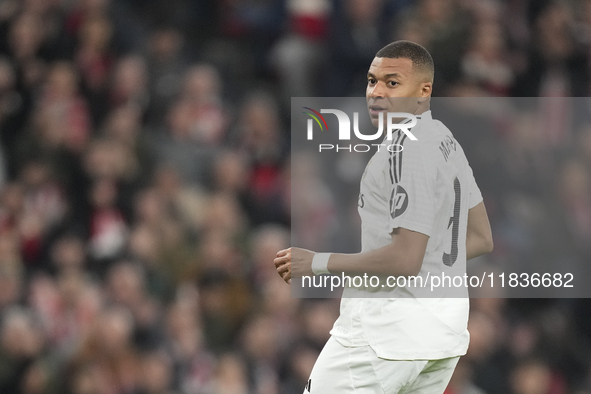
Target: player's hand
294, 262
283, 264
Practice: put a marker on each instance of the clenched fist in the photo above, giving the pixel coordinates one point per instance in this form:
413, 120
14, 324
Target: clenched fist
294, 263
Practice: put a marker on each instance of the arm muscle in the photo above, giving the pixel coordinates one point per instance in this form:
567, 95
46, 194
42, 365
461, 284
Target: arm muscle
478, 236
402, 257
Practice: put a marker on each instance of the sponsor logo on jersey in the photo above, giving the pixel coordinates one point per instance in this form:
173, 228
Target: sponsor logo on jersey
398, 201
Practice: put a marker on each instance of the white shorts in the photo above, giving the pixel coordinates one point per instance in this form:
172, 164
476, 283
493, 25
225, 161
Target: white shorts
359, 370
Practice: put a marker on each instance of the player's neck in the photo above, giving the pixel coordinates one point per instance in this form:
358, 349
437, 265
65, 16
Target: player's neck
422, 108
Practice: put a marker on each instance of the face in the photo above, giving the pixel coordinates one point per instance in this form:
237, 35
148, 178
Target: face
393, 86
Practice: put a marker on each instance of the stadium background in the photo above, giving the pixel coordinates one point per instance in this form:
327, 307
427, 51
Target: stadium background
145, 186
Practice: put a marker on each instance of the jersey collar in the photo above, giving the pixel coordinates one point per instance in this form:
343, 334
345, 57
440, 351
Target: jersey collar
425, 115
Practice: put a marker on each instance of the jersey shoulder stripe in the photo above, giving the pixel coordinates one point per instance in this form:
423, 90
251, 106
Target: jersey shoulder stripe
395, 158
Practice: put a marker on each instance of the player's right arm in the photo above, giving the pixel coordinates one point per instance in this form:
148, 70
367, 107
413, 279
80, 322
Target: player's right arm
479, 236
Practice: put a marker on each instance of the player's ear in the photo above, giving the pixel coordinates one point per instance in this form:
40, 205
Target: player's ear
426, 89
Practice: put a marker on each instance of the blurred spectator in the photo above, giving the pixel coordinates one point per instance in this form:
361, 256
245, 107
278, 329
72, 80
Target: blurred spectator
11, 284
108, 229
318, 318
299, 56
156, 374
261, 348
127, 285
21, 341
357, 33
442, 27
300, 365
194, 365
197, 123
231, 172
199, 114
106, 159
224, 304
231, 377
12, 116
174, 255
123, 125
25, 39
313, 211
485, 61
259, 137
533, 377
461, 382
66, 307
557, 67
12, 208
93, 55
283, 309
43, 207
63, 118
187, 202
130, 85
125, 30
266, 242
488, 361
109, 352
575, 195
166, 67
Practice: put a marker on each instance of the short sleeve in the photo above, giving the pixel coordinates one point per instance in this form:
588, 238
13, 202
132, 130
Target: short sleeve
411, 190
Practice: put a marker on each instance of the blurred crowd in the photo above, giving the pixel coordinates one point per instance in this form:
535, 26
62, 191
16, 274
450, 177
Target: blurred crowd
145, 186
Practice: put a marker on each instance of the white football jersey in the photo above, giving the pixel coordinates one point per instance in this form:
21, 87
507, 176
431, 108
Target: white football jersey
427, 187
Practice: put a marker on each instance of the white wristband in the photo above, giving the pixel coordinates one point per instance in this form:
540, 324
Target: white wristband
320, 263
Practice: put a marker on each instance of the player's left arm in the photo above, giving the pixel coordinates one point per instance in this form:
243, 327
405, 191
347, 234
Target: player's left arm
402, 257
411, 195
479, 238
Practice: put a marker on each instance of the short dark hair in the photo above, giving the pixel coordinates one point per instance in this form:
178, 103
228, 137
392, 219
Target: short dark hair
420, 57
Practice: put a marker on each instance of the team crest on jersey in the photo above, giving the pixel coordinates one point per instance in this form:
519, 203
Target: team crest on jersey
398, 201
